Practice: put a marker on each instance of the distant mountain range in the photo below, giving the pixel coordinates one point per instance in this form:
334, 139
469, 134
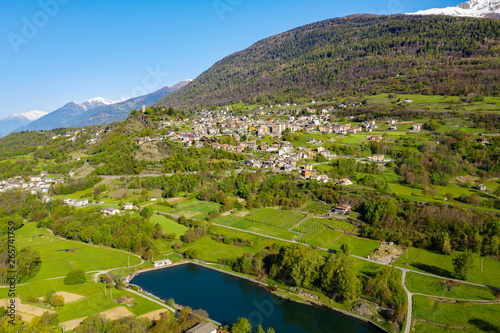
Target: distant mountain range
9, 124
358, 54
96, 111
472, 8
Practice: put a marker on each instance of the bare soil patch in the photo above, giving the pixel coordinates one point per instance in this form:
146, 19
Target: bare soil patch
465, 179
125, 300
69, 297
241, 214
123, 192
26, 312
117, 313
71, 325
175, 200
155, 315
225, 214
85, 170
387, 253
189, 214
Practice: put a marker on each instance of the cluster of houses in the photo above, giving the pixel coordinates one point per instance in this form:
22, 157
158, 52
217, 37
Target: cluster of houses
76, 202
71, 135
35, 184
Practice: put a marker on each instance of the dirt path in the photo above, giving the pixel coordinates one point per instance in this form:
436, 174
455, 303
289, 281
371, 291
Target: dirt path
409, 295
290, 229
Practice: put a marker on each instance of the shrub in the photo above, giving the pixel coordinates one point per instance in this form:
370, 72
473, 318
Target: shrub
57, 301
76, 276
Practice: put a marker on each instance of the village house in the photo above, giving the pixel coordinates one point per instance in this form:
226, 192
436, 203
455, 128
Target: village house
374, 138
344, 181
322, 178
327, 154
481, 187
354, 130
343, 209
376, 158
306, 173
416, 127
128, 206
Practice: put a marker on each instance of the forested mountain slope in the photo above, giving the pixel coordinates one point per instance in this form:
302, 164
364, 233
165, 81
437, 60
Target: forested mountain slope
363, 53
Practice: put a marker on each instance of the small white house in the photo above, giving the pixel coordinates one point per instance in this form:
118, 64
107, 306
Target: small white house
128, 206
161, 263
110, 211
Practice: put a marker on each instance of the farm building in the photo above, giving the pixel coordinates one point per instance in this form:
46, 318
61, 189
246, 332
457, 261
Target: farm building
204, 327
343, 209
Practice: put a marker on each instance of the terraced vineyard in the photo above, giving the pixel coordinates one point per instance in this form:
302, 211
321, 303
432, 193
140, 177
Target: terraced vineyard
340, 225
282, 219
310, 229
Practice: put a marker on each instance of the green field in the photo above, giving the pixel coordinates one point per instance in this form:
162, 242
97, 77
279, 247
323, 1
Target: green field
479, 318
244, 224
95, 300
440, 264
340, 225
310, 229
282, 219
168, 226
318, 207
360, 246
212, 251
57, 262
195, 208
189, 208
227, 220
422, 284
325, 237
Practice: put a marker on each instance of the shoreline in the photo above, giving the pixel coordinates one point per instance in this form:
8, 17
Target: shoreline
260, 284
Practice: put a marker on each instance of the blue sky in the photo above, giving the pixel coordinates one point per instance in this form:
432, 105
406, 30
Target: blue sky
56, 51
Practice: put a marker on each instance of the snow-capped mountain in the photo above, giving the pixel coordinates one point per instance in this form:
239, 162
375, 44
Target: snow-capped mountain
9, 124
95, 111
96, 102
472, 8
31, 115
61, 117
